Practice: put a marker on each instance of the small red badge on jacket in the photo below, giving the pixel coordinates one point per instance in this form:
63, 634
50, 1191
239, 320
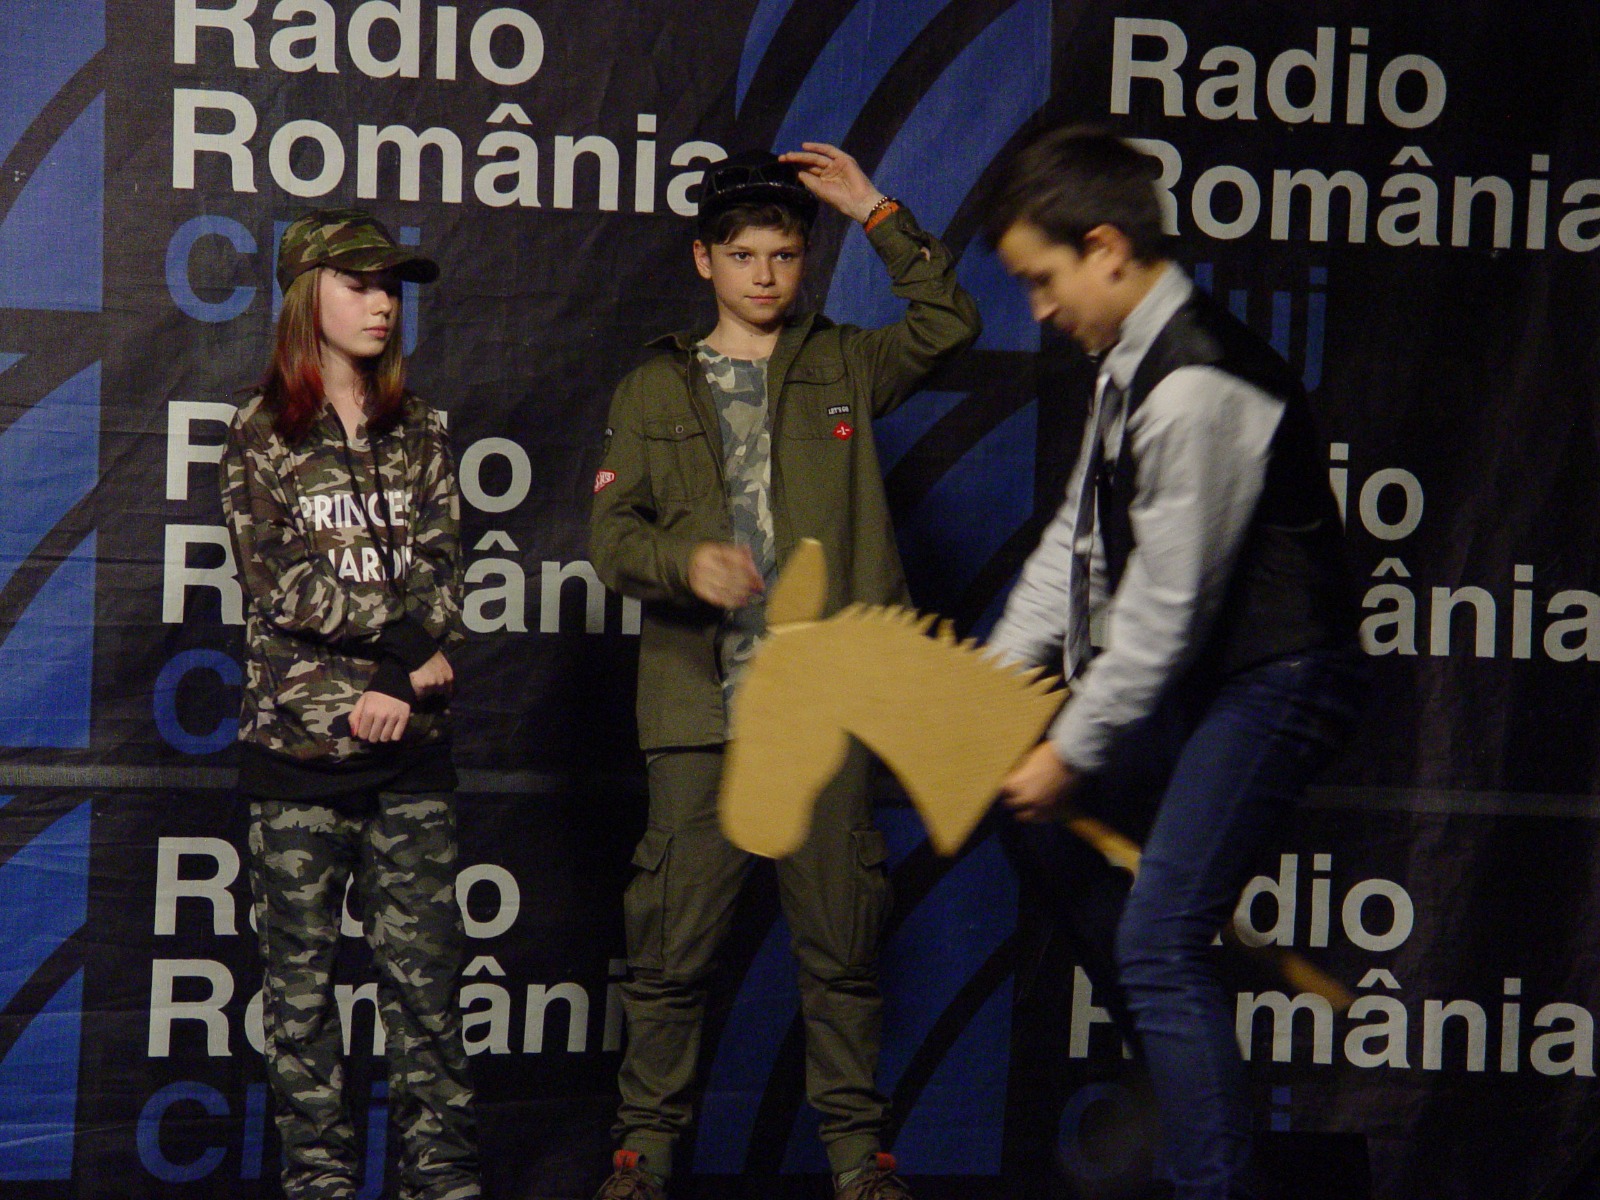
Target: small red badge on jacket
603, 480
844, 430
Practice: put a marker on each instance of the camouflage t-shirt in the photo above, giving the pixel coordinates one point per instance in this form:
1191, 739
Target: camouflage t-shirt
739, 387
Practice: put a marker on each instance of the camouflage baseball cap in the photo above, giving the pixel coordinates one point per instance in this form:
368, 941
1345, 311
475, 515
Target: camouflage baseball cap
351, 240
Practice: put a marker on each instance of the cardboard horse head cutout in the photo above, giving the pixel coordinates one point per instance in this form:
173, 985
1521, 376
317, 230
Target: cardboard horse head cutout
949, 721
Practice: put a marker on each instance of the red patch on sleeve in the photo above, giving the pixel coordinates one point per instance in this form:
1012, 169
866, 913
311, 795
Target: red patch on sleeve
603, 480
844, 431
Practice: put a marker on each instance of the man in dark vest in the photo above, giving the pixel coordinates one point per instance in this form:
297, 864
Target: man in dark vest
1200, 543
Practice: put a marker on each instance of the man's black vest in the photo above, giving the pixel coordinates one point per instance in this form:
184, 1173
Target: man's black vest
1290, 589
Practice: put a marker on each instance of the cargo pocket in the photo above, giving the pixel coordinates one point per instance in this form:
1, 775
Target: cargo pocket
681, 467
644, 903
872, 895
816, 400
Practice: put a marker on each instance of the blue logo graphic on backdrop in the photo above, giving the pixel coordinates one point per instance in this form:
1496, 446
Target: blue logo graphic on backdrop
946, 1046
52, 137
44, 899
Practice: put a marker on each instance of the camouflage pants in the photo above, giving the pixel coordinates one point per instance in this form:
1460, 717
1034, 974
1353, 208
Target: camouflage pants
404, 860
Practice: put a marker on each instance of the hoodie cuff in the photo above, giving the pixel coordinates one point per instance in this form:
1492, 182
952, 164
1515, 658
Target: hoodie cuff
393, 678
408, 641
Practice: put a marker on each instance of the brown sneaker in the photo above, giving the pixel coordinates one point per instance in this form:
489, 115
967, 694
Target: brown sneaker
875, 1180
630, 1181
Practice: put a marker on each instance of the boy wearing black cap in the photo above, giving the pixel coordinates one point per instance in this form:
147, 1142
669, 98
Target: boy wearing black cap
722, 453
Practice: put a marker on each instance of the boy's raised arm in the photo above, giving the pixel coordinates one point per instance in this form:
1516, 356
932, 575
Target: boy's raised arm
941, 319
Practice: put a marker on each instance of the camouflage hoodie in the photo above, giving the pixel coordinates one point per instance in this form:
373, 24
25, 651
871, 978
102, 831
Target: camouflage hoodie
310, 541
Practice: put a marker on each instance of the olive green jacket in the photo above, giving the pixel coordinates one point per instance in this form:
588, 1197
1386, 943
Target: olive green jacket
660, 488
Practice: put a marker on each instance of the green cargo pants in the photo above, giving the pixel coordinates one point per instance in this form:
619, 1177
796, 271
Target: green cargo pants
678, 908
404, 859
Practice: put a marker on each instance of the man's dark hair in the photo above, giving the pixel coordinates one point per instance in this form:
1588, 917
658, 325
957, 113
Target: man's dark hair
1069, 180
725, 224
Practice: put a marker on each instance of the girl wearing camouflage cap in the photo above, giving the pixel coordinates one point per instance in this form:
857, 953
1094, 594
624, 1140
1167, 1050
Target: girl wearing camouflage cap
341, 499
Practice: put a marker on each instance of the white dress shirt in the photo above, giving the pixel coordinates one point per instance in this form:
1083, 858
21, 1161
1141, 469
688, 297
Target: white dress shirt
1200, 444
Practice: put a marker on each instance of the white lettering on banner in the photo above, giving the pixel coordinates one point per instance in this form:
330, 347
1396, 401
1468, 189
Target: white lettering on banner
181, 450
498, 607
1283, 893
481, 47
644, 166
604, 152
444, 47
400, 24
1474, 1024
1378, 1031
384, 40
280, 158
499, 602
1319, 191
1085, 1015
409, 144
171, 886
347, 996
232, 144
255, 1031
540, 998
1461, 618
177, 576
494, 1018
678, 190
521, 170
1394, 626
618, 971
1171, 170
507, 171
552, 576
1283, 1010
1154, 51
470, 473
1226, 202
1402, 919
405, 17
1245, 197
508, 899
188, 18
319, 32
189, 992
165, 1011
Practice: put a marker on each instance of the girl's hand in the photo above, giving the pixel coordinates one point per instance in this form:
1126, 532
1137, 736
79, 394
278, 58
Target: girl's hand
433, 677
379, 718
835, 178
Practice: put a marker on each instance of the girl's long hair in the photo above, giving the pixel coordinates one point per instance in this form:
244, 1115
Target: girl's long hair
292, 386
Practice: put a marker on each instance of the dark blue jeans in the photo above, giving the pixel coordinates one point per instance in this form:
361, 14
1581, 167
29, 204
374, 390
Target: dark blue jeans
1235, 759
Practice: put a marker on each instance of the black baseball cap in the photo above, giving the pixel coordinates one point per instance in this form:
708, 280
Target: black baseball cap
754, 177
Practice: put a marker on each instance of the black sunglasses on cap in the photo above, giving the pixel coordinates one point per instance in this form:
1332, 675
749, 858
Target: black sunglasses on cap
755, 178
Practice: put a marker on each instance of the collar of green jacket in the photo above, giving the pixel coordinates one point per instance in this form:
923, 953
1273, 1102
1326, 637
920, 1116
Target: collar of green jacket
790, 341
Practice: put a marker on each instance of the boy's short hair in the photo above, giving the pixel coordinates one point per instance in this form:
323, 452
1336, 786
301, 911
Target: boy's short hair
1069, 180
725, 224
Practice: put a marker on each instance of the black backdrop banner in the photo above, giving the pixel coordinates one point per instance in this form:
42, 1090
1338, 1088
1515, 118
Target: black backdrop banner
1404, 199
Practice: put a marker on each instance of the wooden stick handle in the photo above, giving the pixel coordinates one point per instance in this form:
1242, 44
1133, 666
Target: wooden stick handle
1298, 972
